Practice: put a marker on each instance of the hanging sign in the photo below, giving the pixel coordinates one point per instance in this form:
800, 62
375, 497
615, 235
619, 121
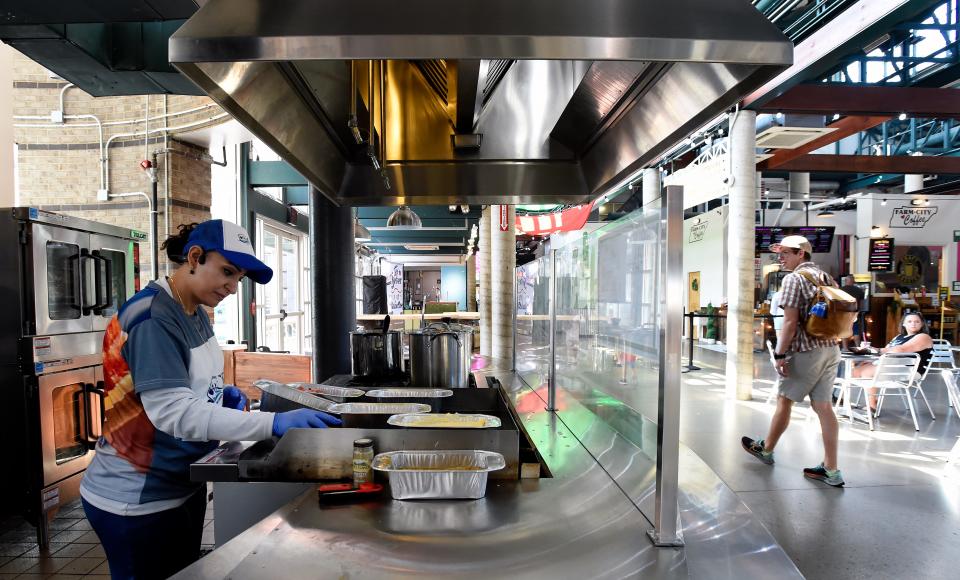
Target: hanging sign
911, 217
880, 258
944, 293
568, 220
504, 222
697, 232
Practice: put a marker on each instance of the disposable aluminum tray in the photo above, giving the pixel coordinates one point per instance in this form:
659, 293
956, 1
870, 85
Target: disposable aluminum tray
337, 394
409, 393
378, 408
438, 474
275, 389
445, 420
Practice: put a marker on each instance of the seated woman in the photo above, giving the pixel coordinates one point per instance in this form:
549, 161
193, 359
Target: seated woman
914, 337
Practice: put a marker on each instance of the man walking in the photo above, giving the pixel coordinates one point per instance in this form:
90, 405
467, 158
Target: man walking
807, 364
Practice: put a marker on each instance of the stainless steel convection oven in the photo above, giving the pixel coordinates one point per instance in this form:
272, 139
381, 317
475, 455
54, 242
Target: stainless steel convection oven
63, 278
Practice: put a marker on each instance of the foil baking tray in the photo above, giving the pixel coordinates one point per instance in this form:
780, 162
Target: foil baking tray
378, 408
282, 391
336, 394
409, 393
438, 474
445, 420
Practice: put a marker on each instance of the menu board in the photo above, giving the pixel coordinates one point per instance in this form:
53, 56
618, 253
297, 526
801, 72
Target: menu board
881, 255
820, 238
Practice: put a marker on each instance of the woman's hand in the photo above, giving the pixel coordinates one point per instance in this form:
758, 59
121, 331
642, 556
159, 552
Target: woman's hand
233, 398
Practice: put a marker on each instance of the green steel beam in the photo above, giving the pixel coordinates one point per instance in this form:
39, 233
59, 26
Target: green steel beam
297, 195
274, 174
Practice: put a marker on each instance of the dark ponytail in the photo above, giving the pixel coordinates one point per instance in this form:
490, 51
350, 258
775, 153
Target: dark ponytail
174, 245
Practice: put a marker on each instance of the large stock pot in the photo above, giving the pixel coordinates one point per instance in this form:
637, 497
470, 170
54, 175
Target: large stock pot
440, 356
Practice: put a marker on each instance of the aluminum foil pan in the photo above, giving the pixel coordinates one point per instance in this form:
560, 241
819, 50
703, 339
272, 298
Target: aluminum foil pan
438, 474
445, 420
337, 394
293, 395
378, 408
409, 393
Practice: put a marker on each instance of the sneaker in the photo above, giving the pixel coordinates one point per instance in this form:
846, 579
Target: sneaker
755, 448
821, 473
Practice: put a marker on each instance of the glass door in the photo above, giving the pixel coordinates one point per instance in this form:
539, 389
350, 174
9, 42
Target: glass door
59, 257
65, 423
280, 303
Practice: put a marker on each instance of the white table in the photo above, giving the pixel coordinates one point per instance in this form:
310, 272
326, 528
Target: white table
849, 360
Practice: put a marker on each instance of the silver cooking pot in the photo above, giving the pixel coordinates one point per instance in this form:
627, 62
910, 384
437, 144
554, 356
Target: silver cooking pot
375, 353
440, 356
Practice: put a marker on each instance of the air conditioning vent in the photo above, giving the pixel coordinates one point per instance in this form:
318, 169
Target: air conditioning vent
790, 137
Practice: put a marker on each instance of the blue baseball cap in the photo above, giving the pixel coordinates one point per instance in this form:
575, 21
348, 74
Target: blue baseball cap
233, 242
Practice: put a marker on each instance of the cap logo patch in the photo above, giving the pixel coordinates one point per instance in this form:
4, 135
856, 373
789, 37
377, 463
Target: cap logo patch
243, 238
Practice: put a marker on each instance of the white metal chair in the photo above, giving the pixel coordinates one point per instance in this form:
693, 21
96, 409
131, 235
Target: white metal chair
951, 377
776, 385
941, 357
894, 372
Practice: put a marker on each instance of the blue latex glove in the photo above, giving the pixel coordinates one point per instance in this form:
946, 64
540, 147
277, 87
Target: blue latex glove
233, 398
302, 418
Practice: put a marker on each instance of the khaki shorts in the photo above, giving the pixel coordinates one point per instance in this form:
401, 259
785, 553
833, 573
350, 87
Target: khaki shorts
811, 373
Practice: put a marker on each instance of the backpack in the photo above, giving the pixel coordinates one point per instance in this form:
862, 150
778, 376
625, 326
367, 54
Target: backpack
840, 310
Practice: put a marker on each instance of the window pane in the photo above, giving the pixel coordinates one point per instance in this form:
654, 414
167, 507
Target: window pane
63, 292
270, 304
68, 421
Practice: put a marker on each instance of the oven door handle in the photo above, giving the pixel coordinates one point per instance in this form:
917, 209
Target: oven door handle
91, 436
104, 290
87, 308
78, 281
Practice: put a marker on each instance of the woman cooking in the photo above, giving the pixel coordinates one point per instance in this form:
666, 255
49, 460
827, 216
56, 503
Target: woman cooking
166, 406
914, 337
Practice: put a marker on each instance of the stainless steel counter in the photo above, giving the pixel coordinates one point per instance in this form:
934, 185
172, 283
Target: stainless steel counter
581, 523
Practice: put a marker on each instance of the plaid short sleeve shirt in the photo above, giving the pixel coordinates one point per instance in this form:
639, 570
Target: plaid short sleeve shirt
798, 292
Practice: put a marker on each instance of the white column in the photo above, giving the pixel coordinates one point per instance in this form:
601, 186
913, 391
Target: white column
799, 185
740, 248
483, 276
651, 184
503, 258
6, 128
912, 183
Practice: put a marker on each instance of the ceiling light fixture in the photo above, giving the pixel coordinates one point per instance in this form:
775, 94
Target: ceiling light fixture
919, 201
836, 116
825, 213
421, 247
404, 218
360, 232
902, 116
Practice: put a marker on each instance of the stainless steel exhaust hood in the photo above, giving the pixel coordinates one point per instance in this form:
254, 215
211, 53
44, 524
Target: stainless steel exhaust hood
382, 102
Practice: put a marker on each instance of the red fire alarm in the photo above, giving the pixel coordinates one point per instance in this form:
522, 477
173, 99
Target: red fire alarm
146, 164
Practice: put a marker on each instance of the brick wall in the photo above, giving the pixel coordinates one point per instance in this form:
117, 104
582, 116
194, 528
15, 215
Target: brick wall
59, 167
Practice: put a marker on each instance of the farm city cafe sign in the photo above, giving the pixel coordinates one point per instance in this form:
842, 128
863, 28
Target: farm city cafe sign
912, 217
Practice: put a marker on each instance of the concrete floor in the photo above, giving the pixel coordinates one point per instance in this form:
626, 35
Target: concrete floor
897, 517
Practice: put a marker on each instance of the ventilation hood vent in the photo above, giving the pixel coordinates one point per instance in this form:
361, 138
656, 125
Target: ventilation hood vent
567, 106
790, 137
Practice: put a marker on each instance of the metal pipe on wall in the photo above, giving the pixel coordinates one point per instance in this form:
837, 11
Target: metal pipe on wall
334, 305
666, 531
